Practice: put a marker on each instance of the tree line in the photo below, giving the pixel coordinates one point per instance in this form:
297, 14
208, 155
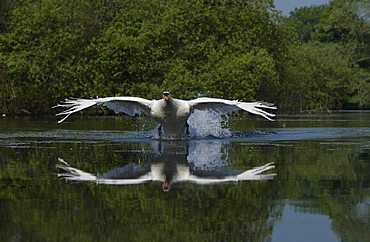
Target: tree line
317, 58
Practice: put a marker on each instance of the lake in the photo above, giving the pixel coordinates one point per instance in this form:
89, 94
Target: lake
321, 190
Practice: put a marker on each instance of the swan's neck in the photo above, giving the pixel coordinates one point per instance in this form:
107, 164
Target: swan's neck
169, 103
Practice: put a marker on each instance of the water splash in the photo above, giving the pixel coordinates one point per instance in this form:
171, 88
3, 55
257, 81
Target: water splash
207, 123
207, 155
202, 124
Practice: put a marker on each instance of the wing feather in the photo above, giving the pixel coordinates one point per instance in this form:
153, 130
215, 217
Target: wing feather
214, 104
128, 105
225, 106
252, 174
74, 174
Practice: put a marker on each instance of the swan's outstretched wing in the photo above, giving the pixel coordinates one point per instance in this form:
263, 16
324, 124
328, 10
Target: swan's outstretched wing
118, 176
227, 175
128, 105
225, 106
129, 171
255, 173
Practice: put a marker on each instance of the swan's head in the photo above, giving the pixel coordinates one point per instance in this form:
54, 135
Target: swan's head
166, 186
166, 95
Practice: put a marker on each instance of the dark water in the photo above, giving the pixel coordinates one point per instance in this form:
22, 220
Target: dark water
320, 193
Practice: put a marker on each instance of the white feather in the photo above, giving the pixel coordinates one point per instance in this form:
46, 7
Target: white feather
156, 173
171, 114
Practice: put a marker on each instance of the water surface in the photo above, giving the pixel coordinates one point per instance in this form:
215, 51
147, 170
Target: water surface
320, 193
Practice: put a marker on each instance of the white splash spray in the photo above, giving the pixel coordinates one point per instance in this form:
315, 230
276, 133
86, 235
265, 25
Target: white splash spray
207, 155
202, 124
208, 123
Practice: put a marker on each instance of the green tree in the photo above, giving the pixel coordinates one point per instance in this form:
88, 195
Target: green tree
347, 22
220, 49
317, 77
49, 39
305, 20
231, 49
342, 27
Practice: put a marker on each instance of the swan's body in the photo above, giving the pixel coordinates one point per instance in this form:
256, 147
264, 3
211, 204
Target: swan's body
172, 114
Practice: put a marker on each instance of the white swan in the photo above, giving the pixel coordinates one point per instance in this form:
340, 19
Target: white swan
167, 172
172, 114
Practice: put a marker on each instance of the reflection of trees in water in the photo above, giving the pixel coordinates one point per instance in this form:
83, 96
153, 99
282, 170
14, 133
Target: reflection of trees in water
58, 210
334, 175
337, 178
350, 201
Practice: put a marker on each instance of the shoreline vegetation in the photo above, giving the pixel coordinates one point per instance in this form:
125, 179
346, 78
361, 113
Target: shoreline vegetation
316, 59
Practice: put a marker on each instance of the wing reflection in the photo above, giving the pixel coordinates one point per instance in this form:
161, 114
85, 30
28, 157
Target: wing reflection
172, 165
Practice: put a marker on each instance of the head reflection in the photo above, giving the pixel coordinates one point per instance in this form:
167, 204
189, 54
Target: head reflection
176, 161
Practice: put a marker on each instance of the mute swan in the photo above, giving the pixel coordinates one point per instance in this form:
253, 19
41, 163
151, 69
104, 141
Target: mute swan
172, 114
167, 172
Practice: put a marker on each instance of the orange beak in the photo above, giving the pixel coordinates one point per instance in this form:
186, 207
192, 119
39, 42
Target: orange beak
165, 97
166, 187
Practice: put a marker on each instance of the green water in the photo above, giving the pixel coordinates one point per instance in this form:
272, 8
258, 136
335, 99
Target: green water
320, 193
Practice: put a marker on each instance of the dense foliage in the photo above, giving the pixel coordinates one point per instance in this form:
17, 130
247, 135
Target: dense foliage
235, 49
330, 68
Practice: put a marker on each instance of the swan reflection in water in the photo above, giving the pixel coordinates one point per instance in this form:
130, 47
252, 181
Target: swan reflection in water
177, 161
